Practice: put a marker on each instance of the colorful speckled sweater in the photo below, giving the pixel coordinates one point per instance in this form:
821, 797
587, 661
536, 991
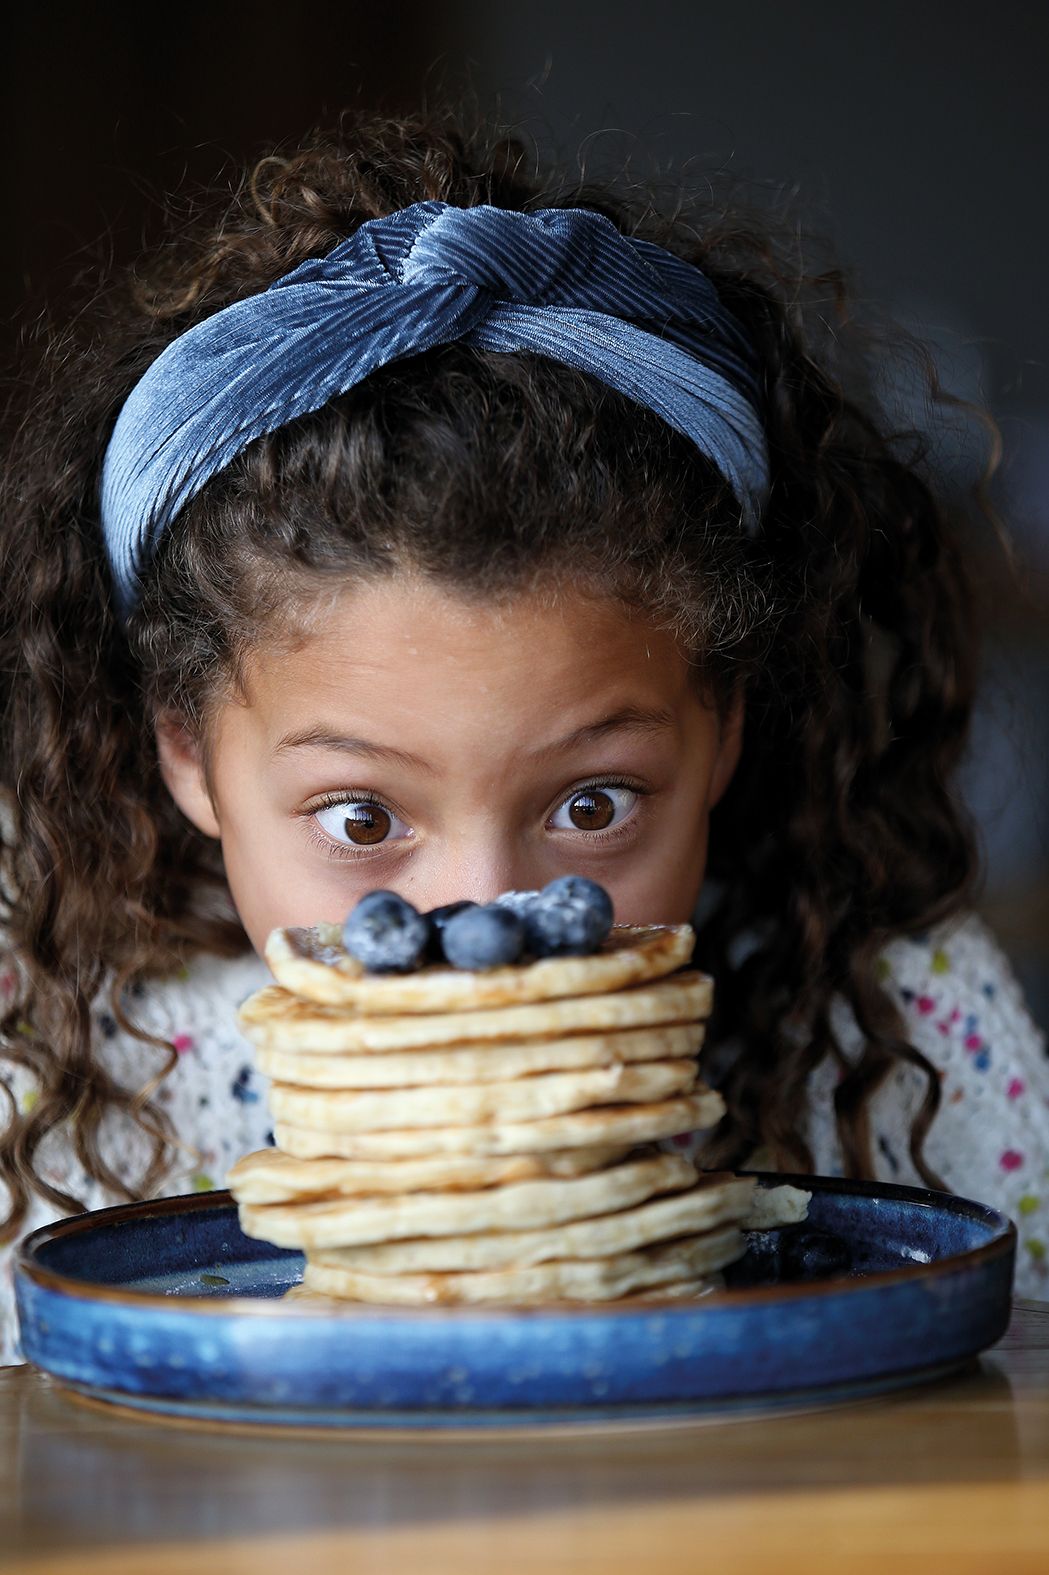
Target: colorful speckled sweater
964, 1008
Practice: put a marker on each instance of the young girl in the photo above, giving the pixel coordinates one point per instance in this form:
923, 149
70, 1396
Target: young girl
412, 524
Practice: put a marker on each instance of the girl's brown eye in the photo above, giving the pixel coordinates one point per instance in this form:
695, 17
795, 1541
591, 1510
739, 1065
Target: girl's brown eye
591, 810
366, 824
361, 823
594, 808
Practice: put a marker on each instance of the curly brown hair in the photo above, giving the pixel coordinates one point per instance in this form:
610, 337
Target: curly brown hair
850, 620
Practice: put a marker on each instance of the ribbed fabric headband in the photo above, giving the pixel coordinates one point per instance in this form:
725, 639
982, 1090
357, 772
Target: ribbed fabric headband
561, 282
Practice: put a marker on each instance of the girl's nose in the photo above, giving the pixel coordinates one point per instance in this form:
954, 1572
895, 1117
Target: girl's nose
474, 873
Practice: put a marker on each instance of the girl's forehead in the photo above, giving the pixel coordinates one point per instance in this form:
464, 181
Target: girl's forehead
408, 655
414, 632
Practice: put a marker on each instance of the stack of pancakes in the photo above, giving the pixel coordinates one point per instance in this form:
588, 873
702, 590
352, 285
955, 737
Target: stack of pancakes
452, 1135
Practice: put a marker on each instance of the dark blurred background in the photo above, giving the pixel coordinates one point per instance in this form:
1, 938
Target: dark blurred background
914, 137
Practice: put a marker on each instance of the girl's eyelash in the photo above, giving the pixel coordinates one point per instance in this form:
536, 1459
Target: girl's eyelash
351, 796
596, 785
336, 850
603, 782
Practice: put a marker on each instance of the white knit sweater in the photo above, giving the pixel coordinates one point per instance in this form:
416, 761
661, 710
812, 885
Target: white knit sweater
960, 998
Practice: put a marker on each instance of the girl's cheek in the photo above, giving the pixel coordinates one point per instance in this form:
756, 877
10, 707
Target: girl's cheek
280, 887
661, 884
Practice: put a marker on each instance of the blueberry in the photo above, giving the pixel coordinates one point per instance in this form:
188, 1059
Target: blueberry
518, 902
570, 917
385, 933
437, 919
483, 936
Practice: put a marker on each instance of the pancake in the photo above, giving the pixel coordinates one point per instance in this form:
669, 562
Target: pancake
346, 1222
270, 1176
625, 1124
276, 1018
711, 1201
489, 1061
589, 1280
312, 963
521, 1099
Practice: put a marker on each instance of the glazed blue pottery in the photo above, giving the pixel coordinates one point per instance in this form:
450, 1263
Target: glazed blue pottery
168, 1308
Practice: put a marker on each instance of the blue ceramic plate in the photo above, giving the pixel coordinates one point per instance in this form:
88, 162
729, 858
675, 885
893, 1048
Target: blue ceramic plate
168, 1308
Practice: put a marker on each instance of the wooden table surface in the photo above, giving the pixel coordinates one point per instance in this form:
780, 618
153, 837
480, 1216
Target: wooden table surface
950, 1476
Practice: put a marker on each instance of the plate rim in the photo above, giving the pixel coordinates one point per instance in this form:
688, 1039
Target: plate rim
27, 1266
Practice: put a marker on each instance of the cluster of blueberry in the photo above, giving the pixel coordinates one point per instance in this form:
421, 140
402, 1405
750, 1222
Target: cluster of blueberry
570, 917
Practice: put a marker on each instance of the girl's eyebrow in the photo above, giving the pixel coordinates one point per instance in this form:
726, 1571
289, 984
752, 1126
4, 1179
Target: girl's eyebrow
628, 719
320, 737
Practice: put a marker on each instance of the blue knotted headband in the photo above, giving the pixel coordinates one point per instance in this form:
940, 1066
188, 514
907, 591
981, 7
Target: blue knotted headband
561, 282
